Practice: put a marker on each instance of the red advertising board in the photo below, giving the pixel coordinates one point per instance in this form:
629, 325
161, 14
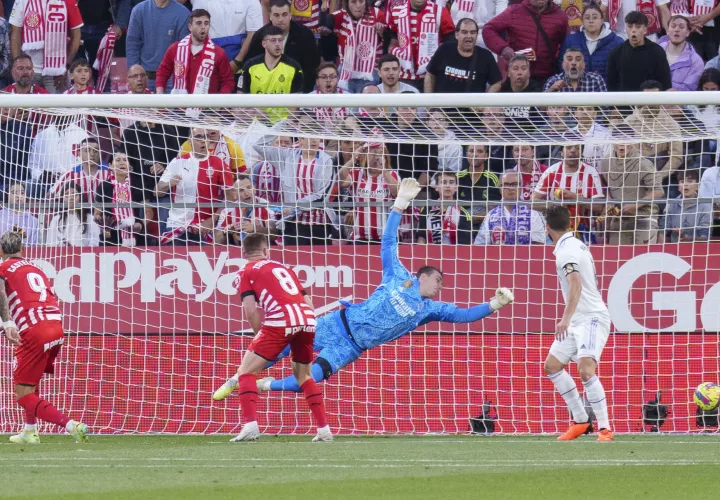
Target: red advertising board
148, 339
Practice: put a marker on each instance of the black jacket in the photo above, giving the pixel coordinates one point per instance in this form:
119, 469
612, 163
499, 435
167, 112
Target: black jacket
301, 46
628, 67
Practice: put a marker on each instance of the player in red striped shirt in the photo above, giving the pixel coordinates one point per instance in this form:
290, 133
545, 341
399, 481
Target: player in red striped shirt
88, 175
32, 321
370, 179
235, 223
289, 320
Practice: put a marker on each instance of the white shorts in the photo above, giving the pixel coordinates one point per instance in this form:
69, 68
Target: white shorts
586, 338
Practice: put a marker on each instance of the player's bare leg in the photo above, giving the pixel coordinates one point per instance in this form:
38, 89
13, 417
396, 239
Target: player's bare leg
35, 408
314, 397
566, 387
251, 365
596, 396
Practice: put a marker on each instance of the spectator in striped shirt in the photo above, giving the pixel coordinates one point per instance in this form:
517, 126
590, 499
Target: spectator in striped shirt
326, 82
307, 175
88, 175
80, 74
237, 222
369, 178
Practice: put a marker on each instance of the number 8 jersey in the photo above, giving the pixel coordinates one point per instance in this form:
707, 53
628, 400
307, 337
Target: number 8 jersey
30, 296
278, 292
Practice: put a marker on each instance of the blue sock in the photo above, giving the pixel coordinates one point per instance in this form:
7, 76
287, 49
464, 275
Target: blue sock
290, 383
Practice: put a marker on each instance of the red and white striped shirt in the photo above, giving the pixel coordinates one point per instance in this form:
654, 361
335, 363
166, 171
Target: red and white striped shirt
232, 218
279, 293
88, 183
86, 91
330, 114
369, 221
30, 297
585, 181
530, 181
304, 177
311, 21
267, 183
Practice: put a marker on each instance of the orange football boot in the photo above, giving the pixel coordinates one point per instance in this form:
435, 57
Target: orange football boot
605, 435
575, 431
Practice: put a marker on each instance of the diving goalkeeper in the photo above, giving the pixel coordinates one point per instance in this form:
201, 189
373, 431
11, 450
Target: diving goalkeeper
399, 305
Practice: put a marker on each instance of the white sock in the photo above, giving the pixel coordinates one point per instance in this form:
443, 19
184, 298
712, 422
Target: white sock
596, 397
567, 388
323, 430
70, 426
30, 427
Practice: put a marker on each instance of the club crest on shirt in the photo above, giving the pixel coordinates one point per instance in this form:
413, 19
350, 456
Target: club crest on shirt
210, 171
281, 79
407, 284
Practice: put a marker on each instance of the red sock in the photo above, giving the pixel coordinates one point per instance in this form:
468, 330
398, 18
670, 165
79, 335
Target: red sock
248, 398
39, 408
314, 398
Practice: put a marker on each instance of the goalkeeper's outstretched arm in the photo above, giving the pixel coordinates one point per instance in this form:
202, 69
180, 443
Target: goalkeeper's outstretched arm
407, 191
454, 314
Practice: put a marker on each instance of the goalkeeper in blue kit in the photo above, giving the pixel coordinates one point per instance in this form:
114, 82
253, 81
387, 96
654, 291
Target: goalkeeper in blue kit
402, 303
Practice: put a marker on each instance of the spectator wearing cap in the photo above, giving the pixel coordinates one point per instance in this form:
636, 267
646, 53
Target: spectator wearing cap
630, 216
197, 65
359, 27
298, 41
46, 42
686, 218
536, 27
462, 66
686, 65
638, 59
154, 26
574, 78
233, 26
417, 27
595, 40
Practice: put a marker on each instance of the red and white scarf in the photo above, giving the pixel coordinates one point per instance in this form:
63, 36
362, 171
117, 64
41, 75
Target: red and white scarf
182, 66
428, 36
358, 57
647, 7
123, 216
465, 8
104, 57
45, 27
692, 8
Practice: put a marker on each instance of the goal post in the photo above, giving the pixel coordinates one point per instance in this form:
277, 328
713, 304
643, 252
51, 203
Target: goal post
145, 272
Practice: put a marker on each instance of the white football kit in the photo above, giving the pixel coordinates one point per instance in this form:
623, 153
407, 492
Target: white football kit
590, 325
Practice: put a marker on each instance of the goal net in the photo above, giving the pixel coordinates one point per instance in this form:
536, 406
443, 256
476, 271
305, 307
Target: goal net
137, 213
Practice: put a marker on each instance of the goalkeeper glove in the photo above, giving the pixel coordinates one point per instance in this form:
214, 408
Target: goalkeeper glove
503, 297
408, 190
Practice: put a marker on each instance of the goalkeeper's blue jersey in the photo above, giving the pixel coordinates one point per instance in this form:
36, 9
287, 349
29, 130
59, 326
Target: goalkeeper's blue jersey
396, 307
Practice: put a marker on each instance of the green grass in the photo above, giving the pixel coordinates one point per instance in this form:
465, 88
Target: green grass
498, 467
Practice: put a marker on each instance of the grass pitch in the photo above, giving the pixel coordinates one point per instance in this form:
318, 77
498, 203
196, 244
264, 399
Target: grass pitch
208, 467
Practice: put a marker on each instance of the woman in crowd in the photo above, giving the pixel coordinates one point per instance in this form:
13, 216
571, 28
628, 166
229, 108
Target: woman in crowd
14, 216
73, 226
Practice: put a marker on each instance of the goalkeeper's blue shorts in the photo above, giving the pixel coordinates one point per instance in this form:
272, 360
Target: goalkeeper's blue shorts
332, 343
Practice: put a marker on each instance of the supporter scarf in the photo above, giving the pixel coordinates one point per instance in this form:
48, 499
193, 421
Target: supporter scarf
647, 7
121, 194
429, 26
510, 230
182, 65
691, 7
104, 57
358, 58
45, 27
465, 8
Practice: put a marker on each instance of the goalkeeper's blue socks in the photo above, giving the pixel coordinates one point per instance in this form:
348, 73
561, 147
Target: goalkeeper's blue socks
290, 383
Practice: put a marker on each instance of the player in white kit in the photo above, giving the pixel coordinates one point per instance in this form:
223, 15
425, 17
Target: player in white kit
582, 332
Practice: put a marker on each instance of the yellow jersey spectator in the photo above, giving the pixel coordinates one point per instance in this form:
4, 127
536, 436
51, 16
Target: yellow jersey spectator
223, 147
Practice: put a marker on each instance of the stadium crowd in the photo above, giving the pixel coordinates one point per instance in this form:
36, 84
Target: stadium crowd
627, 192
